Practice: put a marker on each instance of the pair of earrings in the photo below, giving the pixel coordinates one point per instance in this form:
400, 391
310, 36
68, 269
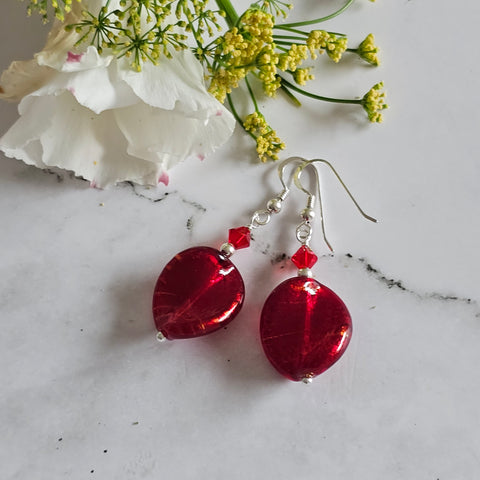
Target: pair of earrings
304, 327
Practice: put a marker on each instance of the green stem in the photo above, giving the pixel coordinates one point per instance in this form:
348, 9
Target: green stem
337, 34
237, 116
352, 101
194, 32
252, 96
232, 108
291, 30
318, 20
288, 37
291, 96
230, 12
283, 42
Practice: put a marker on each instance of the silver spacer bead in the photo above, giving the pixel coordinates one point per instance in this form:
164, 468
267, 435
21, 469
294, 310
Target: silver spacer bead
227, 249
307, 379
161, 337
274, 205
305, 272
308, 214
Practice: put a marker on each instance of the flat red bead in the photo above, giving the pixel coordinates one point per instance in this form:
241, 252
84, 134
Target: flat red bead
198, 292
239, 237
305, 328
304, 257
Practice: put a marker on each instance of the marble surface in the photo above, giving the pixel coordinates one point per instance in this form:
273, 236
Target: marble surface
87, 391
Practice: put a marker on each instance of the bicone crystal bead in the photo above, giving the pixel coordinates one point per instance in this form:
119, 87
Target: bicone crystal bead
198, 292
239, 237
304, 258
305, 328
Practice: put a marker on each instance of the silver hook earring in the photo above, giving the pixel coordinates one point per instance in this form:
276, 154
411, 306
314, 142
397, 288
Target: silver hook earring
305, 327
200, 290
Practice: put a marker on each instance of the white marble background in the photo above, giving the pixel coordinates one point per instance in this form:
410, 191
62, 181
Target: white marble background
87, 392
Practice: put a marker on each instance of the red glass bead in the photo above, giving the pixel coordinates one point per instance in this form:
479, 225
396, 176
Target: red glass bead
198, 292
239, 237
304, 257
304, 328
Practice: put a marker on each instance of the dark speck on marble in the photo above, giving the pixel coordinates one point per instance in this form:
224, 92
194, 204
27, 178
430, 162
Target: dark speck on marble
391, 283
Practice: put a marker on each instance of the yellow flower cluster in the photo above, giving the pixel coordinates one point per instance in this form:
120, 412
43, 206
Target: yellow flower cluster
293, 58
259, 25
60, 7
268, 143
250, 46
303, 75
267, 69
368, 51
319, 41
224, 81
374, 102
241, 50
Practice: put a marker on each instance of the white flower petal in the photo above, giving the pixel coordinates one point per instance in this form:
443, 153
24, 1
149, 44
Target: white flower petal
187, 120
92, 146
178, 79
93, 84
76, 62
107, 124
59, 40
169, 136
22, 78
22, 139
57, 131
99, 90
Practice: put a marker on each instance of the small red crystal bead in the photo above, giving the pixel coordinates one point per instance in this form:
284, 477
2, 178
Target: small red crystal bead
239, 237
305, 328
304, 257
198, 292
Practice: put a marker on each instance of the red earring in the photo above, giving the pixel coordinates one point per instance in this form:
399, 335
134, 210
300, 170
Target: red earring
200, 290
305, 327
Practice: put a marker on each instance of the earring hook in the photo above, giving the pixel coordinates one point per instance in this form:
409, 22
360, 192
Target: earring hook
274, 205
281, 174
311, 196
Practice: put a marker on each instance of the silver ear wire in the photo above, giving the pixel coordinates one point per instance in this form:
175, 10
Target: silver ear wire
281, 173
307, 212
275, 204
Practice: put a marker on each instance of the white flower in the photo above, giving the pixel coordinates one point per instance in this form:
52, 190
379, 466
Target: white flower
97, 117
24, 77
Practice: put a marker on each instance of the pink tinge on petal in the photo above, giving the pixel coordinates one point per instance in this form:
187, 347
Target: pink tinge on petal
164, 178
71, 90
201, 157
219, 113
93, 184
73, 57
